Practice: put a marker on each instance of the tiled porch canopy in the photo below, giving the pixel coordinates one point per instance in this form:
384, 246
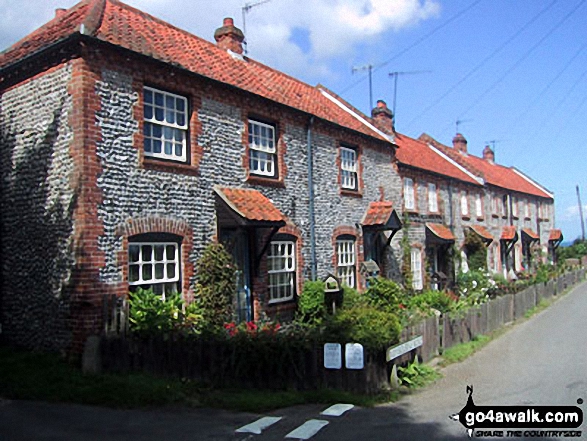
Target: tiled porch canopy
438, 233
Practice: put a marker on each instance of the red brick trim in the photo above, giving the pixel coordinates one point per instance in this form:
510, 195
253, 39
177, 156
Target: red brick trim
346, 230
360, 183
280, 145
158, 224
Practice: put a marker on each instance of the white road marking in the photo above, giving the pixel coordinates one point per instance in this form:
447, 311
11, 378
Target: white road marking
307, 430
258, 426
337, 409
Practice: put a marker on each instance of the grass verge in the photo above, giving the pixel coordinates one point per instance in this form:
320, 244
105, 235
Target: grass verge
47, 377
461, 351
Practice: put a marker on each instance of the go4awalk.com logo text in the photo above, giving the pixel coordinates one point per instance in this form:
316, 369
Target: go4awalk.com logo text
520, 421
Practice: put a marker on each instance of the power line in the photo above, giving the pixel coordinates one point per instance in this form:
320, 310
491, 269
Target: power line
545, 89
416, 43
483, 62
523, 58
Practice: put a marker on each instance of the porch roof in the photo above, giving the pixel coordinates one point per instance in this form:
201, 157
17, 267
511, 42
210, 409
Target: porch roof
528, 235
482, 232
440, 232
250, 206
509, 233
555, 235
381, 216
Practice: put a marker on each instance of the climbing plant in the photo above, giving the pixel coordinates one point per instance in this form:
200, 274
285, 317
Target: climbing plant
476, 251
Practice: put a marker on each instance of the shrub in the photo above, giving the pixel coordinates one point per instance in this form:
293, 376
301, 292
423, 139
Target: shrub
374, 328
150, 314
215, 288
476, 251
431, 299
385, 294
474, 286
311, 306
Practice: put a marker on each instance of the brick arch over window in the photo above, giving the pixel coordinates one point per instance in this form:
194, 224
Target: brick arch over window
340, 233
159, 224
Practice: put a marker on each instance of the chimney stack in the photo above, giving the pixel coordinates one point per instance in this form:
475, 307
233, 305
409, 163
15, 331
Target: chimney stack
460, 143
229, 37
488, 154
383, 117
60, 12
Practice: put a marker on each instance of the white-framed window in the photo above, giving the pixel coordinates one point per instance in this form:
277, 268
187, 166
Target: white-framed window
416, 265
464, 204
166, 125
262, 149
154, 265
348, 168
432, 198
514, 207
527, 209
281, 264
478, 206
409, 199
345, 262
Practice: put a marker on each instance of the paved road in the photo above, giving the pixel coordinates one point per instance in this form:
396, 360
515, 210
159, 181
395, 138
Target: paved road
542, 361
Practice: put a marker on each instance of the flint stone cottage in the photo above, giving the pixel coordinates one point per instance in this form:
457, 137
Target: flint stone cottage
128, 145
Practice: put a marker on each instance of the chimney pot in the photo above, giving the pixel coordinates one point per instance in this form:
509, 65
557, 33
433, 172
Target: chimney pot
59, 12
229, 37
488, 154
383, 117
459, 143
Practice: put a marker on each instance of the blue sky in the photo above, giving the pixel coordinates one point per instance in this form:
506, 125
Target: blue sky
514, 72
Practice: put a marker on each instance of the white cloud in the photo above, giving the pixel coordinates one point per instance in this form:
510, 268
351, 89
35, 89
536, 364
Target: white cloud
334, 28
572, 213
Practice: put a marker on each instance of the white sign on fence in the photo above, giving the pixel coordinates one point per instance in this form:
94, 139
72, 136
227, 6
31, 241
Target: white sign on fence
332, 356
353, 356
401, 349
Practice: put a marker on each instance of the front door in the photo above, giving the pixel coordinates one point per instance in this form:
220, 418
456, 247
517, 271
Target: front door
237, 243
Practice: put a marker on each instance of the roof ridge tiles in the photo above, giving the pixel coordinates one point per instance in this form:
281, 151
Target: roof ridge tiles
94, 16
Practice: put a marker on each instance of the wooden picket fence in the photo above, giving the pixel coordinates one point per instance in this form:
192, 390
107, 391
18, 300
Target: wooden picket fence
228, 363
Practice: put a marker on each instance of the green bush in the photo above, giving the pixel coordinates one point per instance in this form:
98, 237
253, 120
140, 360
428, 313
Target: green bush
373, 328
311, 306
385, 294
431, 299
150, 314
215, 288
474, 286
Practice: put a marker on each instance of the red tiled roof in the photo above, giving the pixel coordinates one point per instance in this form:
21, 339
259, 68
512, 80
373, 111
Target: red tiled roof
251, 204
122, 25
508, 233
440, 231
482, 231
378, 213
555, 235
414, 153
530, 233
494, 174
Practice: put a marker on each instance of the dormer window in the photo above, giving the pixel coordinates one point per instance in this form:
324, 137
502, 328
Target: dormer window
262, 149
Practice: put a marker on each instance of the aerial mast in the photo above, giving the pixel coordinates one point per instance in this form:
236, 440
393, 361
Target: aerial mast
245, 10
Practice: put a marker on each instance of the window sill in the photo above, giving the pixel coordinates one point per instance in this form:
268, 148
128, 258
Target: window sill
527, 218
266, 181
480, 219
495, 216
466, 218
516, 217
169, 167
352, 193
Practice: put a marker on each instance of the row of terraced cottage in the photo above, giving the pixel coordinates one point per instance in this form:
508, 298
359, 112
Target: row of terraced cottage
128, 145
